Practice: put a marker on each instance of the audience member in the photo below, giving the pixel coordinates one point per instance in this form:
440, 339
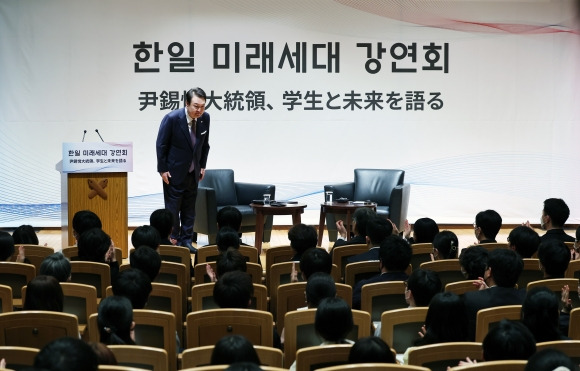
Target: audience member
360, 217
576, 252
162, 221
145, 235
234, 290
66, 354
56, 265
6, 246
554, 216
394, 258
445, 245
229, 216
422, 286
524, 241
96, 246
540, 314
146, 260
105, 356
319, 286
231, 260
302, 237
115, 320
551, 360
501, 276
378, 229
473, 261
243, 366
134, 285
227, 238
83, 221
232, 349
554, 258
424, 231
371, 349
313, 261
44, 293
487, 225
25, 235
508, 340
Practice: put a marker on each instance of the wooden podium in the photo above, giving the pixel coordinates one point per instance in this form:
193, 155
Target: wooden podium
94, 177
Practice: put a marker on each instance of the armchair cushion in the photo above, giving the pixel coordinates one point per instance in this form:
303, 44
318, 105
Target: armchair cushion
376, 184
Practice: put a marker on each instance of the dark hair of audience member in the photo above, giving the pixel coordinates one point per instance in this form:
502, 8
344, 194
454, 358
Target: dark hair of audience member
243, 366
93, 245
333, 320
508, 340
6, 246
146, 260
232, 349
506, 266
524, 240
473, 261
378, 229
83, 221
490, 223
302, 237
554, 258
550, 359
162, 220
44, 293
446, 320
25, 235
360, 217
57, 266
558, 211
541, 314
67, 354
395, 254
134, 285
319, 286
233, 290
115, 321
424, 285
229, 216
315, 260
231, 260
145, 235
371, 349
578, 234
105, 356
424, 230
446, 245
227, 237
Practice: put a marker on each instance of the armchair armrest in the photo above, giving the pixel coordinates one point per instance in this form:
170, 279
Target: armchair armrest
341, 190
399, 204
247, 192
205, 211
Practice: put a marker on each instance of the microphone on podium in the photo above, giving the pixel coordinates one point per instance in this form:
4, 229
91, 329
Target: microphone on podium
97, 130
85, 133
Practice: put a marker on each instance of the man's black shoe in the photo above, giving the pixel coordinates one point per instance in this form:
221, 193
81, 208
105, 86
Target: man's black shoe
192, 249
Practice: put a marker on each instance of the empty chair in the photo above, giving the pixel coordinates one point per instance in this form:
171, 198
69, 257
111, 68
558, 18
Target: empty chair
80, 300
379, 297
448, 270
16, 275
168, 298
399, 327
175, 274
340, 255
34, 253
35, 329
93, 274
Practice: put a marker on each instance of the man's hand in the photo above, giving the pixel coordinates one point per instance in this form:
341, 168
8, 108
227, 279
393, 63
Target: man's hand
294, 274
395, 229
201, 174
165, 176
407, 229
480, 283
21, 255
211, 273
341, 229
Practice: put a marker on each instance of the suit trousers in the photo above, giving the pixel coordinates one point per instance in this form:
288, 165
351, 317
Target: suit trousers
180, 200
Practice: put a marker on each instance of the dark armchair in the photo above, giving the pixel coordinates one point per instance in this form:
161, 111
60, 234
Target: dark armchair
383, 186
218, 189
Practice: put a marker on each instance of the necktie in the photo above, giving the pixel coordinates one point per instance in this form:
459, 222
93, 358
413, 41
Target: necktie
192, 135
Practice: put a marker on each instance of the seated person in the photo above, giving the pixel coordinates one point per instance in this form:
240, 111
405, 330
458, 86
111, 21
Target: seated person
66, 354
44, 293
313, 261
226, 238
473, 261
487, 225
378, 229
146, 260
115, 319
230, 216
394, 258
135, 286
319, 286
232, 349
541, 314
445, 245
524, 241
231, 260
162, 221
371, 349
83, 221
422, 286
360, 217
25, 235
550, 360
554, 216
554, 258
424, 231
302, 237
7, 248
96, 246
56, 265
146, 235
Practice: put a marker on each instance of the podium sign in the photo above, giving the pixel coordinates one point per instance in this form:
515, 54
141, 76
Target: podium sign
97, 157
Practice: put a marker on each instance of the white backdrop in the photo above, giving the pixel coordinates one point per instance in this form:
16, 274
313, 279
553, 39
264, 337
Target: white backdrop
506, 136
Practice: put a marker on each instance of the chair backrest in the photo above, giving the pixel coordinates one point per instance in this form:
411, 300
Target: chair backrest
376, 184
379, 297
73, 252
290, 297
175, 254
461, 287
438, 357
375, 367
494, 245
493, 366
399, 327
168, 298
573, 270
18, 357
211, 253
93, 274
313, 358
253, 269
279, 274
356, 272
421, 254
16, 275
208, 326
340, 254
490, 317
448, 270
34, 253
149, 358
201, 356
119, 368
175, 274
530, 273
202, 297
278, 254
569, 347
222, 181
35, 329
6, 299
574, 324
556, 285
299, 331
156, 329
223, 367
344, 292
80, 300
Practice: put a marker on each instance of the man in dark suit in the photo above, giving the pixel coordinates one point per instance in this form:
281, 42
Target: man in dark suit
182, 149
378, 228
497, 286
395, 256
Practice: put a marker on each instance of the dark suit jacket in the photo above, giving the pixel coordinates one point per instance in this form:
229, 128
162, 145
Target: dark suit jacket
174, 149
389, 276
372, 254
356, 240
556, 234
493, 297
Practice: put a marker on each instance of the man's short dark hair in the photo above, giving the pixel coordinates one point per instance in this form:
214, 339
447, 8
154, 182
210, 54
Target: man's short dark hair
93, 245
227, 237
424, 284
147, 260
319, 286
554, 256
56, 265
233, 290
162, 220
473, 261
425, 230
145, 235
134, 285
490, 223
395, 254
84, 220
66, 354
198, 92
229, 261
550, 359
525, 241
6, 246
558, 211
302, 237
508, 340
229, 216
315, 260
25, 235
378, 228
361, 216
506, 266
